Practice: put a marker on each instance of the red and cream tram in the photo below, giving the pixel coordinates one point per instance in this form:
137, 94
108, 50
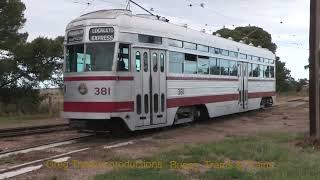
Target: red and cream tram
141, 72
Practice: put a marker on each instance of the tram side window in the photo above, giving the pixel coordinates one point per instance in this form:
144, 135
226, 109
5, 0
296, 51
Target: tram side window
233, 54
203, 48
176, 62
224, 52
267, 71
271, 71
75, 58
271, 61
149, 39
190, 64
123, 58
250, 70
255, 70
214, 66
191, 46
155, 62
224, 64
145, 62
138, 61
242, 56
175, 43
203, 65
217, 51
249, 57
161, 62
261, 68
255, 58
233, 68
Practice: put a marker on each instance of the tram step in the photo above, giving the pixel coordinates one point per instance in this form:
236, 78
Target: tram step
184, 120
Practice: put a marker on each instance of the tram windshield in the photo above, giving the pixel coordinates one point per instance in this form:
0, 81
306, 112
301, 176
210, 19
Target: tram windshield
98, 57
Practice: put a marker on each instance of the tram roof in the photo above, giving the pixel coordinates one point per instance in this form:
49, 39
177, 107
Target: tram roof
151, 25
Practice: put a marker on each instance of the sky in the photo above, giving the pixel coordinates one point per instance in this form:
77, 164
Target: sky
286, 20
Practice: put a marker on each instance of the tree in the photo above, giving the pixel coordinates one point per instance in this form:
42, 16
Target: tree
250, 34
302, 83
11, 21
284, 81
26, 63
33, 63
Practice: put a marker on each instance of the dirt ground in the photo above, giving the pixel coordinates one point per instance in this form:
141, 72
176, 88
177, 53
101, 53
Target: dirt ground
16, 123
289, 115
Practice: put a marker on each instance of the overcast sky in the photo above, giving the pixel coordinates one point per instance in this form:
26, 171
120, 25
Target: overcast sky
286, 20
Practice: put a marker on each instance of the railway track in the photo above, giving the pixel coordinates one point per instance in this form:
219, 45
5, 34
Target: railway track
12, 132
10, 171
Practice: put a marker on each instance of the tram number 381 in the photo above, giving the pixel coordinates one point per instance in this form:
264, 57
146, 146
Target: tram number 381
102, 91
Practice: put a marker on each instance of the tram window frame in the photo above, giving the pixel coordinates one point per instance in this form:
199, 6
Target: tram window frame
188, 45
143, 38
176, 62
175, 43
203, 48
249, 57
138, 61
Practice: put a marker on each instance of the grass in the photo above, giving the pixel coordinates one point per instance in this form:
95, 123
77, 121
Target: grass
290, 162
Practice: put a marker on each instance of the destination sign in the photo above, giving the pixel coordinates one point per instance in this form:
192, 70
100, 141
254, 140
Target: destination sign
101, 34
75, 36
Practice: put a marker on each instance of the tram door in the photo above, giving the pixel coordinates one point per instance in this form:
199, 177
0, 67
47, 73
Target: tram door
243, 85
150, 86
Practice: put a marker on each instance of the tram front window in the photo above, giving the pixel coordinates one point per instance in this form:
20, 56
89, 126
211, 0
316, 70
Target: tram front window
98, 57
75, 58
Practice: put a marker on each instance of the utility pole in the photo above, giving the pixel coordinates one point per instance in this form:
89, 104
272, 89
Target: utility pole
314, 61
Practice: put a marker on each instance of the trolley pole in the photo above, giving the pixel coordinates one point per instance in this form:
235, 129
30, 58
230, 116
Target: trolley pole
314, 61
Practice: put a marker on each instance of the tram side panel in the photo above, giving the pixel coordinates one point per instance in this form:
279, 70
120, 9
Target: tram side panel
219, 97
259, 89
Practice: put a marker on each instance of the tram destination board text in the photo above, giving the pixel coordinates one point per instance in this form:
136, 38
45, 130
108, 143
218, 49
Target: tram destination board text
75, 36
101, 34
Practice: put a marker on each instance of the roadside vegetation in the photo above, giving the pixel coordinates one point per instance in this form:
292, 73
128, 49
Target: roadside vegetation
272, 156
